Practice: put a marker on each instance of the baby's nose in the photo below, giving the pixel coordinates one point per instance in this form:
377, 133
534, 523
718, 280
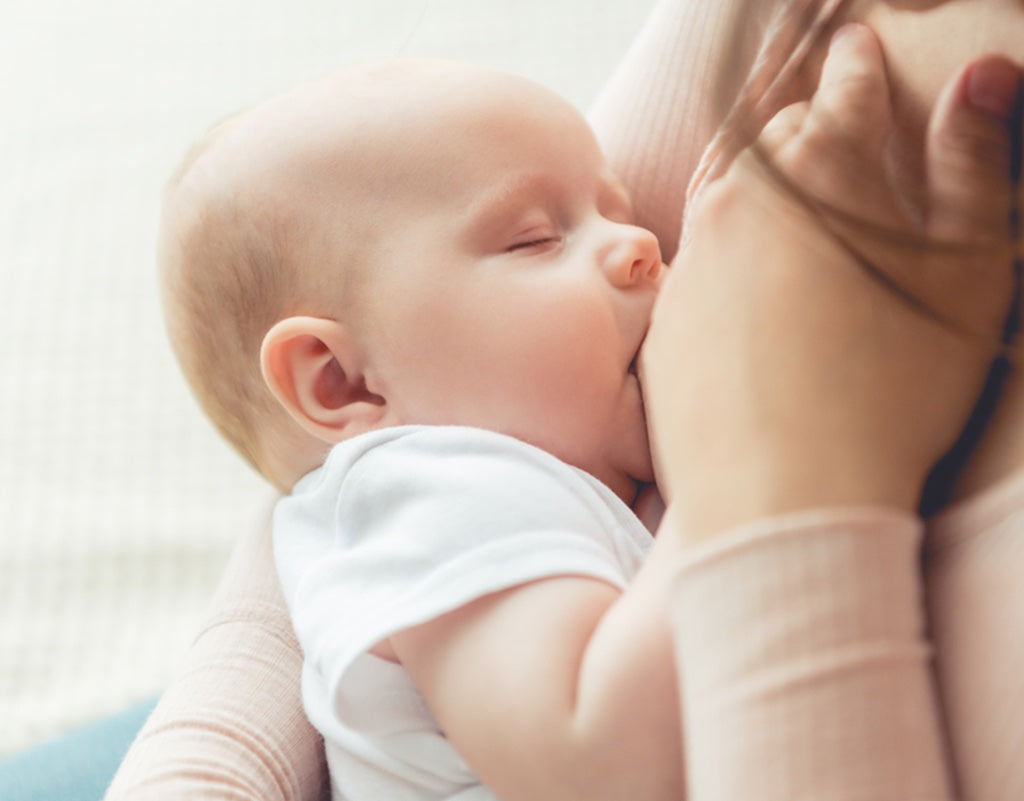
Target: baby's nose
634, 258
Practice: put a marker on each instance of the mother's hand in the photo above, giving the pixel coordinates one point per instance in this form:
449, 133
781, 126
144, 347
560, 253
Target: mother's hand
778, 375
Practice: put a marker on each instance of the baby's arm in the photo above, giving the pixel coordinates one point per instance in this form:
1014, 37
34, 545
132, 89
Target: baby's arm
561, 688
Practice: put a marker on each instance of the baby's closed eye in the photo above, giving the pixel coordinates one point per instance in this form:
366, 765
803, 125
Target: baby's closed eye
534, 241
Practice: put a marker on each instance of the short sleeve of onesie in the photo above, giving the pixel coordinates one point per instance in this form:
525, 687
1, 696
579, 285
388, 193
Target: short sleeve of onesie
403, 525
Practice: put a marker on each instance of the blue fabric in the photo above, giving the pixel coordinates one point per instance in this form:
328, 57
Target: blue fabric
75, 767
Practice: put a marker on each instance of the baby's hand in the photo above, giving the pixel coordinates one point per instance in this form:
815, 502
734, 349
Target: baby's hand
796, 357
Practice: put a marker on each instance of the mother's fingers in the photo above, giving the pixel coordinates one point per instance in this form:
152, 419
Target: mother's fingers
783, 128
850, 110
852, 104
969, 153
969, 204
832, 147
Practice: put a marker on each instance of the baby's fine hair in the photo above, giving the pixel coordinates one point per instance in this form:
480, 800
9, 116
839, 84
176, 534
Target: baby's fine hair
224, 279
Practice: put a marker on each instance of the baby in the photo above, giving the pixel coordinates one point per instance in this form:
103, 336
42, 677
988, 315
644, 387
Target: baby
421, 282
427, 243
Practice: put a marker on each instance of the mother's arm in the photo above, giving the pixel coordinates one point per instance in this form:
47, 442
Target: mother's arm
809, 388
656, 116
231, 724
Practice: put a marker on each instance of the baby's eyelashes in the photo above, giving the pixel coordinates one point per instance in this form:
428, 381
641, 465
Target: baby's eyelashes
534, 242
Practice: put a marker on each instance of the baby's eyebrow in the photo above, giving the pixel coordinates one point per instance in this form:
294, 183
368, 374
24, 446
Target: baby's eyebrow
507, 197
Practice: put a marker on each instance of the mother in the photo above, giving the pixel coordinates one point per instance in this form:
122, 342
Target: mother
232, 724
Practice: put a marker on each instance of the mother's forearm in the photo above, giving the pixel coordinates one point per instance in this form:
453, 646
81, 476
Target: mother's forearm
231, 723
804, 672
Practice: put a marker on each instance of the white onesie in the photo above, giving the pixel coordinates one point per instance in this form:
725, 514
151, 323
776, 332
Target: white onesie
399, 527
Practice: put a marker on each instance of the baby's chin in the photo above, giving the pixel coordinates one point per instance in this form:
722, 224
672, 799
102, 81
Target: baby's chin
645, 473
649, 506
633, 483
639, 464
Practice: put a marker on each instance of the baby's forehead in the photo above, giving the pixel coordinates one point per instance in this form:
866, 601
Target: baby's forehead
385, 139
395, 115
389, 103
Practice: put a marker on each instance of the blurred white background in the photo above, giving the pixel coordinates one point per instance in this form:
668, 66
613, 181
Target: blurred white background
118, 503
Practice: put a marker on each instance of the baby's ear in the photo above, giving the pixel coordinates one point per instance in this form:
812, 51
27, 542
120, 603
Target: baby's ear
313, 367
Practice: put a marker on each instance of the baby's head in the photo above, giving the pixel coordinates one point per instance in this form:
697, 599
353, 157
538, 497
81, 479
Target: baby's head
410, 242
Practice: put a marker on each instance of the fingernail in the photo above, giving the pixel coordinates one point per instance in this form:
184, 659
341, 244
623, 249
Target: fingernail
992, 86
